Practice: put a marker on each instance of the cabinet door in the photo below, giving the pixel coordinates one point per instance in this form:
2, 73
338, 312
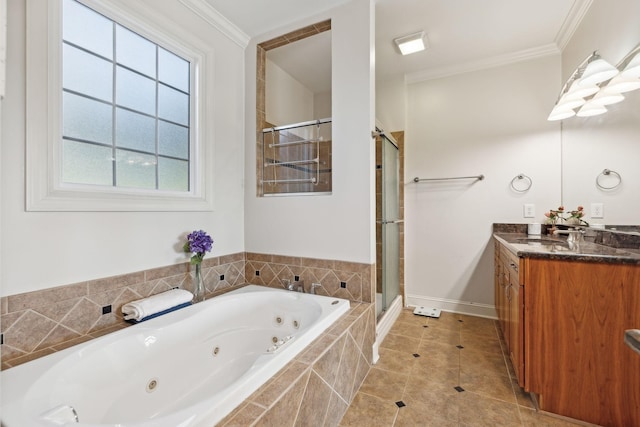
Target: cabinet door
576, 359
502, 283
515, 328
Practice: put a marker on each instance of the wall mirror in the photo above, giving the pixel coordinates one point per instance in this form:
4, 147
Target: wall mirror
593, 145
294, 112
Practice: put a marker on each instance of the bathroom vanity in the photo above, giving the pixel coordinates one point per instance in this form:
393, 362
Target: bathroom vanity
563, 313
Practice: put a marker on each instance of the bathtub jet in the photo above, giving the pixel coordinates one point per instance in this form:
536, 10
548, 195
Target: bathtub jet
187, 368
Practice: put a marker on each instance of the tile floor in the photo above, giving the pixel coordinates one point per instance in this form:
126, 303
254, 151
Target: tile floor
420, 366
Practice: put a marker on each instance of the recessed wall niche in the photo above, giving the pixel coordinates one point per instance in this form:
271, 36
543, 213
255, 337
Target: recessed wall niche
293, 113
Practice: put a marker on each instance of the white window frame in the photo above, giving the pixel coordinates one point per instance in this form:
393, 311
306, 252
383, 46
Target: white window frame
45, 190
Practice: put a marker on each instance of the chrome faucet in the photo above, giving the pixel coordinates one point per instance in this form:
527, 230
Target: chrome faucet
288, 285
297, 285
574, 237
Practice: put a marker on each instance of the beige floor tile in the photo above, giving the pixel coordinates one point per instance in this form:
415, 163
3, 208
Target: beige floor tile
488, 384
425, 377
370, 411
396, 361
428, 408
408, 328
531, 418
480, 411
434, 353
478, 326
406, 315
474, 360
426, 384
384, 384
401, 343
446, 320
481, 343
522, 397
442, 335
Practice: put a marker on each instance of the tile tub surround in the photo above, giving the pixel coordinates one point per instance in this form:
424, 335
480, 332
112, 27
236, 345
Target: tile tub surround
38, 323
316, 388
348, 280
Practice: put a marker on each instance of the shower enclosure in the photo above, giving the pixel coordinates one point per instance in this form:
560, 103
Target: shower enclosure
388, 222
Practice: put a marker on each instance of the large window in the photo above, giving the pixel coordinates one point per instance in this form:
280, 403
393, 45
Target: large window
125, 106
122, 111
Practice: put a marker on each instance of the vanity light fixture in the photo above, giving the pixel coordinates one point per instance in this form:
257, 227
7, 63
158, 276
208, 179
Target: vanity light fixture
596, 83
412, 43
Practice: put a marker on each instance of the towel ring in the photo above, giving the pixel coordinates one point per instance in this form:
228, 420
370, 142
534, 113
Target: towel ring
518, 178
608, 172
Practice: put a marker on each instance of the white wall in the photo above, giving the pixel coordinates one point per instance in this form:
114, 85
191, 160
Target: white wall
490, 122
341, 225
322, 105
612, 140
45, 249
287, 100
391, 103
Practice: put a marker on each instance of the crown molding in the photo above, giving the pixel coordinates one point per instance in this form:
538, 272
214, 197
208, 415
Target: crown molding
575, 16
209, 14
483, 64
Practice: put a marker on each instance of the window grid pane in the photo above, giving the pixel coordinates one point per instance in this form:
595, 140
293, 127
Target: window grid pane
141, 105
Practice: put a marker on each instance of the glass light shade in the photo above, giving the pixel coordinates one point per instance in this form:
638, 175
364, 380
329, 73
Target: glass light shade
560, 114
633, 67
622, 83
597, 71
606, 98
590, 109
580, 91
569, 104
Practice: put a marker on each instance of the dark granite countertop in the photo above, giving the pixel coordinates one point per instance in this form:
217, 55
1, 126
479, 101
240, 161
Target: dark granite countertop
632, 338
556, 247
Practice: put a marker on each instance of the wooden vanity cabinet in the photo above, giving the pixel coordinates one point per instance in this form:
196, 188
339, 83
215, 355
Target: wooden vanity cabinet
563, 321
509, 297
576, 359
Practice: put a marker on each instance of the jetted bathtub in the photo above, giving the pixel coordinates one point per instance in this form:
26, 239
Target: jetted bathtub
190, 367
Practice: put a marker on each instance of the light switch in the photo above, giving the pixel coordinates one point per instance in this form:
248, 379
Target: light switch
529, 210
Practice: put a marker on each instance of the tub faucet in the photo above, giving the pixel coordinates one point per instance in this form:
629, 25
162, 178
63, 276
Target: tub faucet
288, 285
299, 284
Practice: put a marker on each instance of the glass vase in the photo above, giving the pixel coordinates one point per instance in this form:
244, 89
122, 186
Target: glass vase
198, 285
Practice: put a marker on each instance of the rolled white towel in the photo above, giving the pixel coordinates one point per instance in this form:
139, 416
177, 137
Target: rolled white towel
145, 307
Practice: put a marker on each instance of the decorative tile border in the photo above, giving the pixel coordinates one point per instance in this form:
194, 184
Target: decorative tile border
38, 323
341, 279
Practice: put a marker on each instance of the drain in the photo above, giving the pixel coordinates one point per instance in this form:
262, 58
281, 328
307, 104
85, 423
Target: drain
151, 385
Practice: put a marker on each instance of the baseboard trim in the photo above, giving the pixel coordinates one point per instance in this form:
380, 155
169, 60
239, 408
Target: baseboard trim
385, 323
454, 306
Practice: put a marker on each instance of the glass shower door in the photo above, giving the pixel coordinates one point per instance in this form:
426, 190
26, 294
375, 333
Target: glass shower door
390, 224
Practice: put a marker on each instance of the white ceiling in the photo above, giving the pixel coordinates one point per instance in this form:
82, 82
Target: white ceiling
463, 34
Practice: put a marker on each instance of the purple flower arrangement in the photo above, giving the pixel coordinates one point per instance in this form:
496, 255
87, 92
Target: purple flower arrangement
199, 243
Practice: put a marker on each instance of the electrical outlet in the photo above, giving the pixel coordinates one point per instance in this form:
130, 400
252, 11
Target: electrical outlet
597, 210
529, 210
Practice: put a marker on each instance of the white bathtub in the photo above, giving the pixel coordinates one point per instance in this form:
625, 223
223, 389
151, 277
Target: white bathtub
190, 367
